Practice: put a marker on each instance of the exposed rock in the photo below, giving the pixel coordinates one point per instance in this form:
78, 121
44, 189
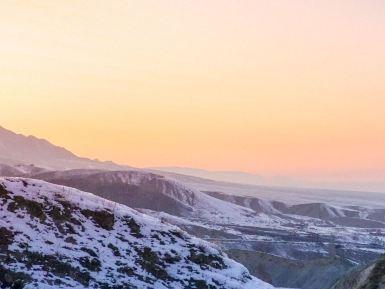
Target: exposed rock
55, 237
370, 277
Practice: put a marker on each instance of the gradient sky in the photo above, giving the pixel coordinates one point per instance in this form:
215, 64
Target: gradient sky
289, 87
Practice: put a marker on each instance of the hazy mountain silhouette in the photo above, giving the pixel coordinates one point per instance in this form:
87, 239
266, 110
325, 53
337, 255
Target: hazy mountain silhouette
20, 149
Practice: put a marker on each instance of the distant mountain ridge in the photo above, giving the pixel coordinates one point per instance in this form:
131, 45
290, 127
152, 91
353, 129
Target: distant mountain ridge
140, 189
348, 215
16, 149
221, 176
374, 183
275, 224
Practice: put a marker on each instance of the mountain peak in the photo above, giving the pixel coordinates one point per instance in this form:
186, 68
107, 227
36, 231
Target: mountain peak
20, 149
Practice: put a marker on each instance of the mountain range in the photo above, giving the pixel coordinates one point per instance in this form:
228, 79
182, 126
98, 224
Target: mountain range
220, 176
326, 241
16, 149
288, 237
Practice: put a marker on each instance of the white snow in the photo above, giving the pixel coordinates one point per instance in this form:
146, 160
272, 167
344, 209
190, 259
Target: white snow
43, 237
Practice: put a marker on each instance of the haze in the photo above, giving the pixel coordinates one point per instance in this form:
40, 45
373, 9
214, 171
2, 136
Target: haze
292, 88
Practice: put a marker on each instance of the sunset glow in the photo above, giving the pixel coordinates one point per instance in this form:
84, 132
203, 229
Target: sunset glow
291, 87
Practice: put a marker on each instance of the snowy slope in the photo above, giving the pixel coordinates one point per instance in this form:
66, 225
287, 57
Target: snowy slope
351, 216
139, 189
256, 204
289, 195
58, 237
134, 188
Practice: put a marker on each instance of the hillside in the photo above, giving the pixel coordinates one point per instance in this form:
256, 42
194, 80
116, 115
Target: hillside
18, 149
139, 189
349, 216
220, 176
317, 273
280, 231
287, 194
59, 237
132, 188
371, 277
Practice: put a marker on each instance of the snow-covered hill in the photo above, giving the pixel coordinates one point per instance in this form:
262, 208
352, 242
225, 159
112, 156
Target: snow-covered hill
140, 189
18, 149
58, 237
350, 216
304, 232
289, 195
256, 204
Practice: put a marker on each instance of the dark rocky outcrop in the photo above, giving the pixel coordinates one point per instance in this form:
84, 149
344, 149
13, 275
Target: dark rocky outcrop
370, 277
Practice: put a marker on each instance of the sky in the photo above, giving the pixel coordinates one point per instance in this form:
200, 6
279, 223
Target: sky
291, 87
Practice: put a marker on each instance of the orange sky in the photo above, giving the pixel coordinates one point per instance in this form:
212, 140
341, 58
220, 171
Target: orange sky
291, 87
